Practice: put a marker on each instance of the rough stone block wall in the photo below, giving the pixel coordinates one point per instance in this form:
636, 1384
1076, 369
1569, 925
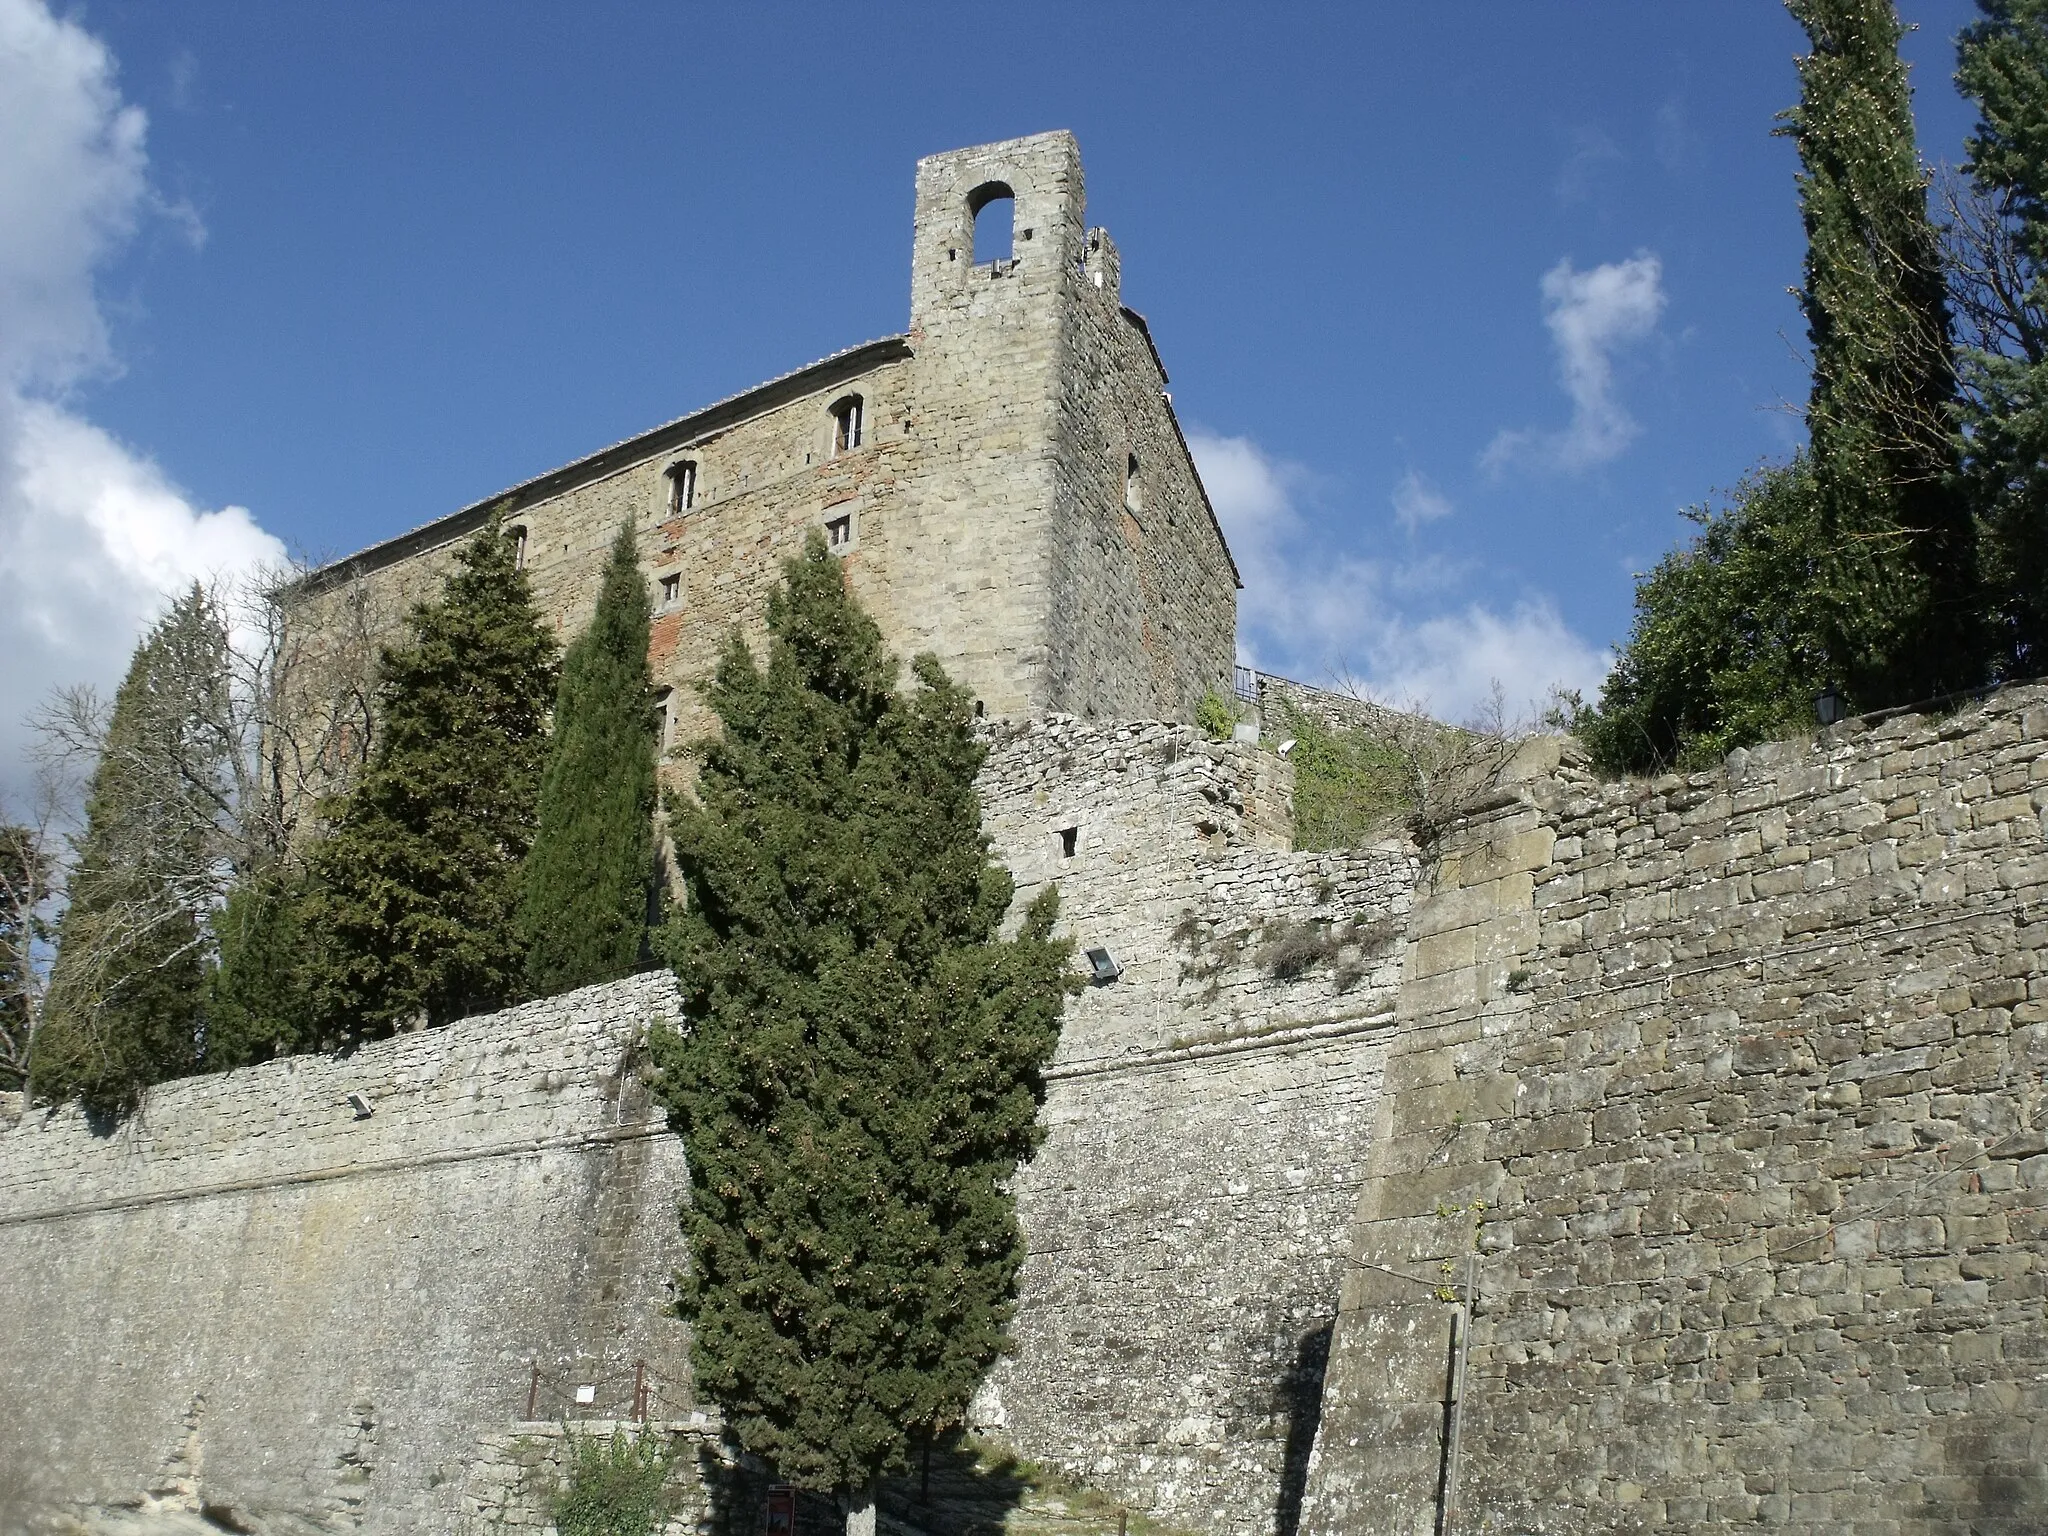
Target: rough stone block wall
250, 1301
1144, 615
1207, 1117
763, 483
514, 1477
1709, 1180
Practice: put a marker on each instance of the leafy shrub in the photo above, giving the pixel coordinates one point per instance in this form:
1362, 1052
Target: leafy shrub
1217, 716
616, 1487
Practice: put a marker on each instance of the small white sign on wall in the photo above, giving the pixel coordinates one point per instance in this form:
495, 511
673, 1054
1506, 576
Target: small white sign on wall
586, 1395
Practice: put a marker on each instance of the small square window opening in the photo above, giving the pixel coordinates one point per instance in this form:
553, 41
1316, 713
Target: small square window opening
839, 533
671, 589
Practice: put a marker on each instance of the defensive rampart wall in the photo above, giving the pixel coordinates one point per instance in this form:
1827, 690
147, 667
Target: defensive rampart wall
1720, 1094
248, 1304
1720, 1097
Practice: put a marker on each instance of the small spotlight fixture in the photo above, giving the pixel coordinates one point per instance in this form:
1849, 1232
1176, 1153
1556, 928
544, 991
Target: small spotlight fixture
1285, 747
1830, 708
360, 1103
1102, 967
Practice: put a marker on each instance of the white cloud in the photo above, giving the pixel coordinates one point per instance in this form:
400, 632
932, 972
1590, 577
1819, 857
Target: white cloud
1416, 501
1593, 152
1309, 611
1591, 316
93, 536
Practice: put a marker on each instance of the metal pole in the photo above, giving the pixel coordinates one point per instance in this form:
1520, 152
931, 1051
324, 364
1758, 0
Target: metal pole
640, 1390
1458, 1390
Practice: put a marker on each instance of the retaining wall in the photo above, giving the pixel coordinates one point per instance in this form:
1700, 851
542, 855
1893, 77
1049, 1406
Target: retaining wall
250, 1301
1720, 1099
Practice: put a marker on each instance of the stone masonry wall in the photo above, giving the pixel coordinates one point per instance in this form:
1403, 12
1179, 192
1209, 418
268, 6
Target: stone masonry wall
1144, 618
249, 1301
1710, 1172
1207, 1116
763, 483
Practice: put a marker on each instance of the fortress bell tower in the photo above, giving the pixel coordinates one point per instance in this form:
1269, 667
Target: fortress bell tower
1060, 550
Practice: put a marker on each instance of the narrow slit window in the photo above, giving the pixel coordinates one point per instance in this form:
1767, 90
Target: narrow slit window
846, 425
664, 718
682, 486
1070, 840
1134, 493
517, 536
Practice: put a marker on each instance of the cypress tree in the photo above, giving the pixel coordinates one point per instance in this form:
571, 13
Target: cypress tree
861, 1072
587, 880
2002, 64
124, 1008
256, 1000
415, 896
1896, 589
1852, 565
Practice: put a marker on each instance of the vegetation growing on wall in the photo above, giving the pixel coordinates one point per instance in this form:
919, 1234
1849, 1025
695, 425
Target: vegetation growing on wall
1395, 770
617, 1486
862, 1070
586, 884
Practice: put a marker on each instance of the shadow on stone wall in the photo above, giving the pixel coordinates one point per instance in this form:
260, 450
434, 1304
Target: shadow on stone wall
964, 1488
1996, 1485
1299, 1398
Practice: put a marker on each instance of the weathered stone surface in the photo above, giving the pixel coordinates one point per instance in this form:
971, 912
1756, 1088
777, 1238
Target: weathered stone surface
338, 1318
1734, 1155
250, 1300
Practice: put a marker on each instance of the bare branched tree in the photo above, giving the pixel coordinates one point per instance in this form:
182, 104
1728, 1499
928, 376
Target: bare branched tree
33, 862
1993, 284
209, 775
1375, 764
275, 715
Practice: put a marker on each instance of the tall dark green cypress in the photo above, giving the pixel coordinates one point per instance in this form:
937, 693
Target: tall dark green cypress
860, 1075
587, 880
2002, 64
124, 1007
1897, 590
414, 904
256, 1003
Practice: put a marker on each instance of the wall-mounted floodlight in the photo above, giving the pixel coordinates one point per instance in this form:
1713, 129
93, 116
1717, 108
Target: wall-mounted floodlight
360, 1103
1102, 967
1830, 708
1285, 747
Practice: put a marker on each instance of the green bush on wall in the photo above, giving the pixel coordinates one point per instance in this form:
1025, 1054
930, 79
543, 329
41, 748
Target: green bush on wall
616, 1486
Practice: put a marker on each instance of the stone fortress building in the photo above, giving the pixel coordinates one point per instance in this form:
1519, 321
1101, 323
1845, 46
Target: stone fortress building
1006, 480
1650, 1156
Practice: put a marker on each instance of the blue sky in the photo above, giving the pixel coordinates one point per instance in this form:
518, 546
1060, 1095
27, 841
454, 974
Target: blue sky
1462, 302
